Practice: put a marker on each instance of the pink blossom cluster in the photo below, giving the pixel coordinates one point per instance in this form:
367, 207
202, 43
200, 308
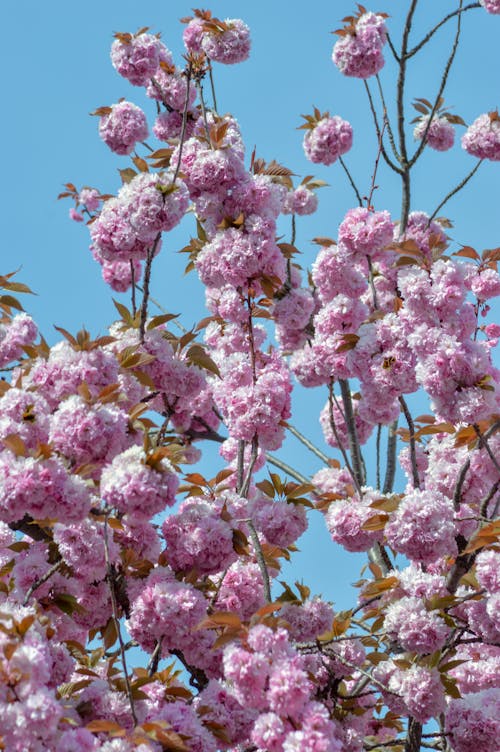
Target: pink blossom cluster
358, 52
167, 611
416, 691
473, 721
123, 127
225, 41
492, 6
30, 665
198, 537
330, 138
346, 520
137, 57
482, 138
440, 134
269, 676
137, 488
41, 488
254, 405
19, 332
423, 527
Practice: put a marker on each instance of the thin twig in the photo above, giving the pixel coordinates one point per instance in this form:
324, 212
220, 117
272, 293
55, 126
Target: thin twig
377, 446
431, 33
377, 159
41, 580
457, 494
483, 442
372, 282
413, 449
390, 470
314, 449
392, 48
212, 86
145, 295
352, 434
184, 122
388, 160
286, 468
155, 658
114, 607
455, 190
240, 463
442, 86
351, 180
331, 398
387, 122
260, 560
132, 280
405, 174
243, 491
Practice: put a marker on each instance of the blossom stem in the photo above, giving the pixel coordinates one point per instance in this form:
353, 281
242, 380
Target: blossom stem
259, 554
438, 99
286, 468
145, 295
351, 180
114, 607
314, 449
352, 433
132, 278
41, 580
184, 122
413, 452
455, 190
431, 33
386, 157
212, 85
390, 470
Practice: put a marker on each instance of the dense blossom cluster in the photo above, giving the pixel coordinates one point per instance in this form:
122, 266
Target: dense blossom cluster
330, 138
97, 436
358, 52
482, 138
440, 134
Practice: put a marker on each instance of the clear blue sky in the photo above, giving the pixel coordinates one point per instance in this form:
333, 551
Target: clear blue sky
56, 69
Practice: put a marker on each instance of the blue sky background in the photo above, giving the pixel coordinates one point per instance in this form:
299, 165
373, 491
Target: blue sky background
56, 70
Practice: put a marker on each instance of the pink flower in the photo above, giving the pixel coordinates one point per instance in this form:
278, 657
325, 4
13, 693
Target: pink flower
89, 433
301, 201
364, 232
229, 43
441, 134
408, 622
20, 331
345, 519
486, 284
118, 274
89, 198
123, 127
75, 215
359, 52
198, 537
328, 140
40, 488
137, 488
307, 620
423, 528
482, 138
491, 6
473, 722
136, 58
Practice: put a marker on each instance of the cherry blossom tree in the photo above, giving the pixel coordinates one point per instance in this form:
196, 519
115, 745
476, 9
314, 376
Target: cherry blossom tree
111, 537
